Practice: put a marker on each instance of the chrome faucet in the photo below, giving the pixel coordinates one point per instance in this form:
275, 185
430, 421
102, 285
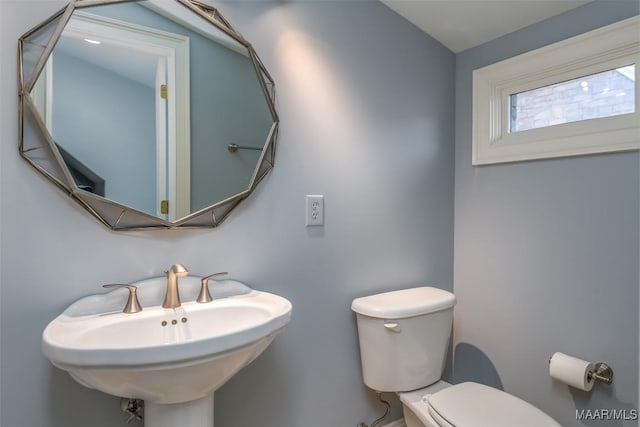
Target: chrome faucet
172, 297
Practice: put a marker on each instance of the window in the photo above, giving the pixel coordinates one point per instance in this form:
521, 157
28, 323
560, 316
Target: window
605, 94
578, 96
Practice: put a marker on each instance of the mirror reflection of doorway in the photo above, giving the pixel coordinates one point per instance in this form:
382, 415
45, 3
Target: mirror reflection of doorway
140, 75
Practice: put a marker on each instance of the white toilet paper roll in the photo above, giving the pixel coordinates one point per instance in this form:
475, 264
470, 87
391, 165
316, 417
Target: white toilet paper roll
571, 371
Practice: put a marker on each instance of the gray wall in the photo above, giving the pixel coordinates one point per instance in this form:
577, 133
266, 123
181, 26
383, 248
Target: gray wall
546, 252
367, 120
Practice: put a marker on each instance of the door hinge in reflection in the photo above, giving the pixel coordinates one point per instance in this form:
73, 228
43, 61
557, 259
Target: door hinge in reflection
164, 91
164, 207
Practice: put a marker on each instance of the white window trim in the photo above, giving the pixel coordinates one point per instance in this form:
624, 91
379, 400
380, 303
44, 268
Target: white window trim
600, 50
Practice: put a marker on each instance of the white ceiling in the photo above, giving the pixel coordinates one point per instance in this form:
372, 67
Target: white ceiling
126, 61
463, 24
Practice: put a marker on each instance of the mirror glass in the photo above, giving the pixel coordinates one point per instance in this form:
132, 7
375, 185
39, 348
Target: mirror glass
152, 106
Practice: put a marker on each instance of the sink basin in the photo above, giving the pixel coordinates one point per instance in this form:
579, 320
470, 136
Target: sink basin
164, 356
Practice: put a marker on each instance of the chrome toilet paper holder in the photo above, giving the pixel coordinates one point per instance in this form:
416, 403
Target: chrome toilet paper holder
601, 372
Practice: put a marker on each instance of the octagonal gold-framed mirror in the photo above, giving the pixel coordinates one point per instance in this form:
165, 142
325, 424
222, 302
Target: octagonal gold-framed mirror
151, 114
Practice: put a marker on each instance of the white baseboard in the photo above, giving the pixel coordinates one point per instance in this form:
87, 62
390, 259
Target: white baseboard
396, 423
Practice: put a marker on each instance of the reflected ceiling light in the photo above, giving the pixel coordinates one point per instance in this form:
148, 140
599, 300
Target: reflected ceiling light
92, 41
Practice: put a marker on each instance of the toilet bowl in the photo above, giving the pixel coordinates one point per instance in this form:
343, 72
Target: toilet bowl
404, 338
415, 406
469, 404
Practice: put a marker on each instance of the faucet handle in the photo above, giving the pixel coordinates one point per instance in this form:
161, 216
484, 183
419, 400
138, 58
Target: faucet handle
133, 305
204, 295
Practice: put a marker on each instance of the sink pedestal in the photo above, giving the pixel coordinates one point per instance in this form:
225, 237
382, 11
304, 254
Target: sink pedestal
197, 413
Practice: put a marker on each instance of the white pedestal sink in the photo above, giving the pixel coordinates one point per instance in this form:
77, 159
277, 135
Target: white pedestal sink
173, 359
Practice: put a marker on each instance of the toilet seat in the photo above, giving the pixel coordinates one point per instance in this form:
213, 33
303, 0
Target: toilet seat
437, 418
472, 404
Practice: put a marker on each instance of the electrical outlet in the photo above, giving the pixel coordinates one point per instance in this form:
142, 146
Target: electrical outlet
314, 210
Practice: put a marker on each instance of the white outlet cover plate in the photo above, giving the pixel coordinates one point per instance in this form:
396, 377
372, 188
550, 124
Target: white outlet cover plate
314, 210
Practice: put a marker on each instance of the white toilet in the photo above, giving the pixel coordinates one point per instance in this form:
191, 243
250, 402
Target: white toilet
404, 338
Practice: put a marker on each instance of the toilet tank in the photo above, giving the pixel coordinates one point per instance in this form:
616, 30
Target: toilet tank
404, 337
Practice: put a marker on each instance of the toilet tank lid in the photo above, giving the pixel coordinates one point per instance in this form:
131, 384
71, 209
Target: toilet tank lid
404, 303
473, 404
